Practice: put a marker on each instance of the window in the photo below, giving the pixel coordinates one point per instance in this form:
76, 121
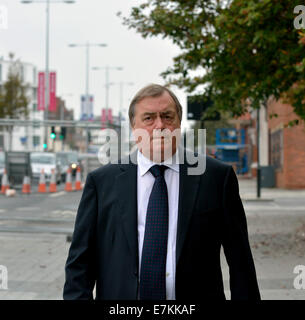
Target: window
36, 141
276, 149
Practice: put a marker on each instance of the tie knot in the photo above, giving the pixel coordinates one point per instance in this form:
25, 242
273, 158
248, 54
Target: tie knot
158, 170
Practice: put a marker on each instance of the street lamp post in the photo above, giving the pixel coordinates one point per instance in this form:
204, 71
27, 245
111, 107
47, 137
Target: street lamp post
47, 87
87, 45
107, 84
121, 95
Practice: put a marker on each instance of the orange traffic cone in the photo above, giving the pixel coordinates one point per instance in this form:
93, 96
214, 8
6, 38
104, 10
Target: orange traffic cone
42, 182
52, 187
4, 182
26, 186
78, 185
68, 186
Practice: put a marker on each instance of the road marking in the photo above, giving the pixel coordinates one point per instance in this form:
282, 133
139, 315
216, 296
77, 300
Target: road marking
56, 211
57, 194
64, 212
262, 208
28, 208
69, 212
2, 210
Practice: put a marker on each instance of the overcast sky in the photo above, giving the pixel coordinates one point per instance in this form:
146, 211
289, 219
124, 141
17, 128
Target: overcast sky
87, 20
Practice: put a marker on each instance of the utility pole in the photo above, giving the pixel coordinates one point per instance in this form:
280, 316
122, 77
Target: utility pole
107, 84
87, 45
258, 175
47, 87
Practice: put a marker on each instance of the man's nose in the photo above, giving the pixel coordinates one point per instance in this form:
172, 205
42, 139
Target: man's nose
159, 123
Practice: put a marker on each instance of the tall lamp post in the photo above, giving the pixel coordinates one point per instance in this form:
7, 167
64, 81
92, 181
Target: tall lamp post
87, 45
107, 83
47, 87
122, 83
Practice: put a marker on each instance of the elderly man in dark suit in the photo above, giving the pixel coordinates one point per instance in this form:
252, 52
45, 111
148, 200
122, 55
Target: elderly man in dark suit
149, 230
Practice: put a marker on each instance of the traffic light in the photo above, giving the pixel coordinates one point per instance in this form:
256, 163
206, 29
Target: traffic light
53, 133
63, 133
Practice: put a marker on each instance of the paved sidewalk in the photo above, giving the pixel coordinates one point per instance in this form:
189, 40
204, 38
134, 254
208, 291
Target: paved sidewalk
35, 264
247, 190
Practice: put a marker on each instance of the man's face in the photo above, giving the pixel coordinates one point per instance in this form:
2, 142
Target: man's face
158, 117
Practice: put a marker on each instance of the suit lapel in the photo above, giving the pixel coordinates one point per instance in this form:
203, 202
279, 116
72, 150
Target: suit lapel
188, 187
126, 186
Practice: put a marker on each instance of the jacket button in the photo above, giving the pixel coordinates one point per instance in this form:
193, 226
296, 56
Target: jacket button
135, 273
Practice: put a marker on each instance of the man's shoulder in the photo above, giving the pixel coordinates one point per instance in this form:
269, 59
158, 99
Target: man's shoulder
106, 169
111, 169
211, 163
216, 164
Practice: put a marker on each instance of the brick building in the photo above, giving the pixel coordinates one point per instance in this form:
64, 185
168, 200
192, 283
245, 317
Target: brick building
286, 146
280, 146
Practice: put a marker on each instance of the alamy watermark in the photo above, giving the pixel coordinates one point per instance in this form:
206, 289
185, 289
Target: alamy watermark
3, 277
3, 17
299, 21
157, 146
299, 280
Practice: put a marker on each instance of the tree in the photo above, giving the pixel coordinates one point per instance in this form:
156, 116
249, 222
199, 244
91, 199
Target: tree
242, 52
13, 95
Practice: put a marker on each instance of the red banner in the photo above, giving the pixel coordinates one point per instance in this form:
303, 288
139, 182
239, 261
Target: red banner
41, 92
52, 84
103, 118
110, 119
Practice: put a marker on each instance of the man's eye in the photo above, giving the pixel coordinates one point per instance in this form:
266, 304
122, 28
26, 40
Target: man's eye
147, 118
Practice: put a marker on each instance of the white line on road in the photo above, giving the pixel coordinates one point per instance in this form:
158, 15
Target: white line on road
63, 212
28, 208
262, 208
57, 194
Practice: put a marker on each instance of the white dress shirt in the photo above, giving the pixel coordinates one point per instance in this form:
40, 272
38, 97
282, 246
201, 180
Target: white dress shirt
145, 184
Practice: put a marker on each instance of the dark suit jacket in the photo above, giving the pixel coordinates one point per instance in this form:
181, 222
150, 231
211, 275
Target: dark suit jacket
104, 248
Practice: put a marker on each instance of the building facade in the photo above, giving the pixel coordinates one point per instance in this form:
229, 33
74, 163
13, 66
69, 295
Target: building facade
23, 137
287, 146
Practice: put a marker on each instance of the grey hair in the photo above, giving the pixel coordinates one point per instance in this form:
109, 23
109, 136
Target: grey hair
152, 90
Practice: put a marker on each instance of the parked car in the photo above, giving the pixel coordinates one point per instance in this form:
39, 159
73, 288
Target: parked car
69, 159
46, 161
2, 165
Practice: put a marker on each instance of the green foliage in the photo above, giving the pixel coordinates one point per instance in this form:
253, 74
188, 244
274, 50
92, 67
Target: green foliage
13, 94
242, 51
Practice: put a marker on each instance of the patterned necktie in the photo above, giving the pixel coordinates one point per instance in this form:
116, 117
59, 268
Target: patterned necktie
153, 263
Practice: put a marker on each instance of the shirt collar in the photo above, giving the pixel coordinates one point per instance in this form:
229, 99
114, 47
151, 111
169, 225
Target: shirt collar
145, 164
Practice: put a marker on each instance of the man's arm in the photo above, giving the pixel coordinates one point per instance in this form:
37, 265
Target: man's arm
80, 270
243, 281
